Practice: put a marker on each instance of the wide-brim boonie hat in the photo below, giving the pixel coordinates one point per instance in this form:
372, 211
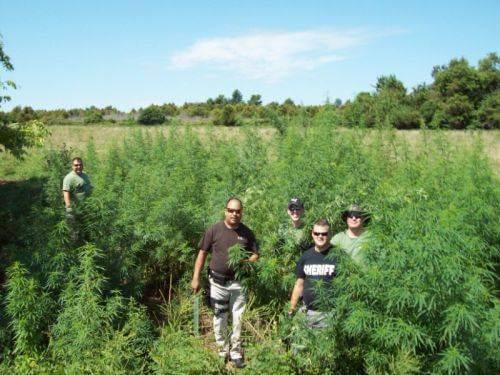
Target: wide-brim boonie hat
357, 208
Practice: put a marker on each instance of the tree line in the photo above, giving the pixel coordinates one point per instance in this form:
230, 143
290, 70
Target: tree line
460, 96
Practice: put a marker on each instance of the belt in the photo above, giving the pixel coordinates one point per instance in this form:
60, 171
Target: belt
219, 277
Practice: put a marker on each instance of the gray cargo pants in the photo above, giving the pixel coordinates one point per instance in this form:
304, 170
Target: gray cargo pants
226, 298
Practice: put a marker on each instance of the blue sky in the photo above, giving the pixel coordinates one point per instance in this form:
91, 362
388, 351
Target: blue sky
130, 54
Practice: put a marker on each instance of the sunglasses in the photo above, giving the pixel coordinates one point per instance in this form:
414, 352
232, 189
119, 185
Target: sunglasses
295, 209
317, 234
355, 215
233, 211
77, 165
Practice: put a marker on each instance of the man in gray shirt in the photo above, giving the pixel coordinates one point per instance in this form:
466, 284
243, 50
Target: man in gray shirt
76, 185
354, 237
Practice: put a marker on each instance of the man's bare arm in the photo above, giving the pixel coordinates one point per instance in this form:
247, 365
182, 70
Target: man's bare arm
296, 294
67, 198
198, 266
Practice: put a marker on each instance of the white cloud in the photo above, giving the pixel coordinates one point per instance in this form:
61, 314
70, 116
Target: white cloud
270, 56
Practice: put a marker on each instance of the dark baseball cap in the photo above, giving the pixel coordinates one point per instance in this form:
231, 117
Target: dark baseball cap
295, 203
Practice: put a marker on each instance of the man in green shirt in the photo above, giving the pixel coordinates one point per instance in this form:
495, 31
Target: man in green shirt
76, 185
353, 238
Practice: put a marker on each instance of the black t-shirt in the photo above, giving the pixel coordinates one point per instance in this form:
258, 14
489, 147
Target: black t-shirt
313, 266
219, 238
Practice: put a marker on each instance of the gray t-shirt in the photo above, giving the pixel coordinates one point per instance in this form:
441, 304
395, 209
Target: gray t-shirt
352, 246
78, 185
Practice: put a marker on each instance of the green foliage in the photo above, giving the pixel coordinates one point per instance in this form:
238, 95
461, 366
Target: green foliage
488, 114
276, 121
269, 357
225, 116
170, 109
177, 353
6, 65
23, 114
255, 99
236, 97
361, 112
196, 109
28, 307
152, 115
425, 303
15, 138
93, 116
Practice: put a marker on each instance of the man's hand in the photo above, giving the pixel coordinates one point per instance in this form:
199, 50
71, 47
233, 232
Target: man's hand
198, 265
195, 285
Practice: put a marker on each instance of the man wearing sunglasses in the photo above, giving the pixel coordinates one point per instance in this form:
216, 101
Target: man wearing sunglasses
76, 185
314, 266
226, 293
353, 238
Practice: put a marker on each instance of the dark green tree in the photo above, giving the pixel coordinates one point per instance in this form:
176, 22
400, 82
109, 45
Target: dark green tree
489, 72
255, 99
236, 97
220, 100
152, 115
93, 116
488, 114
458, 78
390, 84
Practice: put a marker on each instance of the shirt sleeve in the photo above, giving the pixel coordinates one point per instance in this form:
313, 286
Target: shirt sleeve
254, 246
207, 240
66, 186
335, 240
299, 269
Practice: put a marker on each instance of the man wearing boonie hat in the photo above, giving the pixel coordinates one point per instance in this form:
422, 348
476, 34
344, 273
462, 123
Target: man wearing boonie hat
352, 239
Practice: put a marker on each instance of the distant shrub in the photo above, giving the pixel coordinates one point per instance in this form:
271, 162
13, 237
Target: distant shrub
152, 115
405, 117
93, 117
170, 109
197, 109
225, 116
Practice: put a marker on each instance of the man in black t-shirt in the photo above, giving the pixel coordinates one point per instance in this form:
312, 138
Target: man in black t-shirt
314, 265
226, 293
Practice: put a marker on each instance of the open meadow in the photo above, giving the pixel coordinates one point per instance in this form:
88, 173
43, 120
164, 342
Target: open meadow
77, 137
117, 298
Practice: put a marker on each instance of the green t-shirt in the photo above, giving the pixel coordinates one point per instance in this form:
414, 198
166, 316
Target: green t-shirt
352, 246
79, 186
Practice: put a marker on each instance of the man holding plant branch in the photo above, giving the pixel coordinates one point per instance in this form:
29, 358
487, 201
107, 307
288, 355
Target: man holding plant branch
226, 293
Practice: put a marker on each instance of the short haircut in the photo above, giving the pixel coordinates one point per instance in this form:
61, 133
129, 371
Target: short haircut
77, 158
322, 223
234, 199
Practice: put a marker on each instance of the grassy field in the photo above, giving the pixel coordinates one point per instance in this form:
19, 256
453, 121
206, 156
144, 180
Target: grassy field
76, 137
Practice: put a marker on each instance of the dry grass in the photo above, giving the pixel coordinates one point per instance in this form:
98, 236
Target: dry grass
77, 137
